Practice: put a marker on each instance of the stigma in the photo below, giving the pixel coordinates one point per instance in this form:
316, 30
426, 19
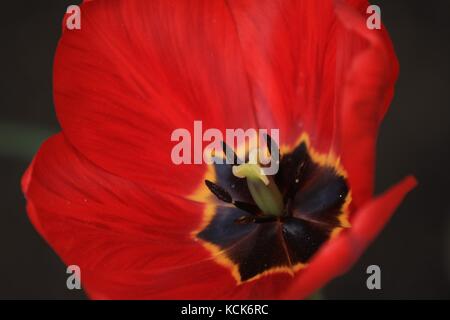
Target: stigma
263, 189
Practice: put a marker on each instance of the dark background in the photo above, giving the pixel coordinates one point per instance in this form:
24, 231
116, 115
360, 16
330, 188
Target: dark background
413, 251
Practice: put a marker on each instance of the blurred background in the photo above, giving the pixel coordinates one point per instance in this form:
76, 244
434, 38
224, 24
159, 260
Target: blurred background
413, 251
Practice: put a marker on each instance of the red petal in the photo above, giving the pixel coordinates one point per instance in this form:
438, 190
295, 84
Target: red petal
339, 255
289, 49
104, 223
136, 71
369, 72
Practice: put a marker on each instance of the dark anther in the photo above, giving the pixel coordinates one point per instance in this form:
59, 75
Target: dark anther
219, 192
250, 208
223, 195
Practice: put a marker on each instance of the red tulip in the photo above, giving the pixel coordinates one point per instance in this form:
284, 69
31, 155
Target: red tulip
106, 196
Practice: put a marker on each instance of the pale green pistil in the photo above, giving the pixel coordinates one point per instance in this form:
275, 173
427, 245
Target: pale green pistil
263, 189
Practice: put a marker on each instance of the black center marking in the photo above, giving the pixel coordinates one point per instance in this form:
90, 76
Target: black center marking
314, 199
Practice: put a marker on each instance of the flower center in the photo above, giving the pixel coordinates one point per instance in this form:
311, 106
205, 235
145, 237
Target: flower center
264, 224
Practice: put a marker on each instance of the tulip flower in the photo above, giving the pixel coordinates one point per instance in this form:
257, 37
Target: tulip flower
106, 195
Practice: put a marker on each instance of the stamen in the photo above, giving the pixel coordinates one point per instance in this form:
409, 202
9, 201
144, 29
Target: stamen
223, 195
219, 192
